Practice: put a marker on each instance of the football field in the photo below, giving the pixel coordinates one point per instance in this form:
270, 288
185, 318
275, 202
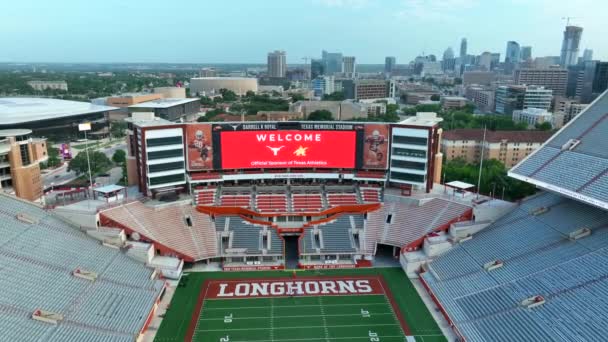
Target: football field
372, 305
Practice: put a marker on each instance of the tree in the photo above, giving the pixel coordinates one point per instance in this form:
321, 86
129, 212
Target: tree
545, 126
206, 101
119, 157
117, 129
228, 95
320, 115
54, 159
435, 97
295, 97
335, 96
99, 163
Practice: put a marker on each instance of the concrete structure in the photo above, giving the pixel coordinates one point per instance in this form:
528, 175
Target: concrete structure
212, 85
170, 109
416, 159
277, 64
478, 77
51, 117
373, 89
568, 108
481, 97
510, 98
340, 110
509, 147
129, 99
171, 92
349, 66
453, 102
44, 85
570, 45
389, 64
463, 48
20, 157
534, 116
555, 79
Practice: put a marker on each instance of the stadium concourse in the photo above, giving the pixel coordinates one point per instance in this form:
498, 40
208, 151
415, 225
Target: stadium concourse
539, 272
60, 284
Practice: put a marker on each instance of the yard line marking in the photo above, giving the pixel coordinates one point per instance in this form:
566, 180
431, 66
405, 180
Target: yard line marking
324, 319
296, 316
271, 320
391, 307
291, 306
304, 327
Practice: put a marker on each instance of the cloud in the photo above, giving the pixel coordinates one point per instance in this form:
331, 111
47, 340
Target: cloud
433, 10
343, 3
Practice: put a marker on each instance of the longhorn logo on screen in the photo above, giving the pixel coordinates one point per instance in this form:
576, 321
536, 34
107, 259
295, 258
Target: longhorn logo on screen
275, 150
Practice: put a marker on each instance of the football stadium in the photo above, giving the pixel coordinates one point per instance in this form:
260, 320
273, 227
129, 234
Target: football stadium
310, 231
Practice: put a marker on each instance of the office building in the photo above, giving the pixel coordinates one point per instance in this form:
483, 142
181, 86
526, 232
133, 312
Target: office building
209, 86
495, 60
509, 147
129, 99
482, 98
514, 97
323, 85
208, 72
463, 48
348, 66
373, 89
389, 64
448, 54
600, 80
587, 55
568, 108
332, 62
570, 45
20, 158
546, 62
170, 109
511, 57
485, 61
51, 85
525, 53
317, 68
555, 79
478, 77
453, 102
277, 64
534, 116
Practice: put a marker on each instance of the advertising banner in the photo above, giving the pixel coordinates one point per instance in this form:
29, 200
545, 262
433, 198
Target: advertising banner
200, 147
375, 151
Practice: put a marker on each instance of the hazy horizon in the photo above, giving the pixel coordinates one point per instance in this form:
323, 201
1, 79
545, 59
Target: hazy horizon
243, 32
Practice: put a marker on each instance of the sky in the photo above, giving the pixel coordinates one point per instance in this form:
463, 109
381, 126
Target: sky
244, 31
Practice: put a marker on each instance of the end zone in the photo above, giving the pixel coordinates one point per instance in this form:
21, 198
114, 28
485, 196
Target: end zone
234, 289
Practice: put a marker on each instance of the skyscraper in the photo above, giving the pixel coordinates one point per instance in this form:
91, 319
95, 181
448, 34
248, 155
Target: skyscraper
513, 53
463, 48
277, 64
485, 61
448, 53
526, 53
572, 39
587, 55
332, 61
389, 64
317, 68
348, 65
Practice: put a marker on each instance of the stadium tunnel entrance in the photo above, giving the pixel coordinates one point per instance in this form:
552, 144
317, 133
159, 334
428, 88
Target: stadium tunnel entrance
386, 255
291, 251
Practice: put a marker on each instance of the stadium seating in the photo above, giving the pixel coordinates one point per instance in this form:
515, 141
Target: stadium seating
271, 202
204, 196
539, 259
370, 195
307, 202
335, 199
334, 237
249, 237
36, 274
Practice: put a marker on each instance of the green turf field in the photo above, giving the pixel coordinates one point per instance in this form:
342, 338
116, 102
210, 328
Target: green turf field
299, 318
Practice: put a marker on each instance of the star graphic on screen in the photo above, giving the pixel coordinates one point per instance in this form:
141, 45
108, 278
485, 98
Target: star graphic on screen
301, 151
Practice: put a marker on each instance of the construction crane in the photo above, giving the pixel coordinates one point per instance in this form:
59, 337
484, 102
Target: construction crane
568, 20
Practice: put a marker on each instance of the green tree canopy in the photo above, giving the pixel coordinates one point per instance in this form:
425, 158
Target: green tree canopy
545, 126
99, 163
295, 97
335, 96
119, 157
117, 129
435, 97
207, 101
320, 115
54, 159
228, 95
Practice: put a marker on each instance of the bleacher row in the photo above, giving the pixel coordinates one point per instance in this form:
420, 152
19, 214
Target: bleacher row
332, 237
248, 237
539, 258
295, 200
37, 259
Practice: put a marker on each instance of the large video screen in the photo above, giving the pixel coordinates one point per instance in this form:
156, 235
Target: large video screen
288, 149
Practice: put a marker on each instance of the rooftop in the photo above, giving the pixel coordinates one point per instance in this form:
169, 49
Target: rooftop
163, 103
223, 78
427, 119
14, 132
16, 110
497, 136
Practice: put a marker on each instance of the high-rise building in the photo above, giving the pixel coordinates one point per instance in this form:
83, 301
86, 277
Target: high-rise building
600, 80
389, 64
526, 53
485, 61
514, 97
495, 60
570, 44
332, 61
448, 53
587, 55
348, 66
463, 48
277, 64
555, 79
317, 68
513, 52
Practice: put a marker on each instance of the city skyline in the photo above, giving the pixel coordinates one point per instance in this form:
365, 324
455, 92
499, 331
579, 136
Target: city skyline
217, 33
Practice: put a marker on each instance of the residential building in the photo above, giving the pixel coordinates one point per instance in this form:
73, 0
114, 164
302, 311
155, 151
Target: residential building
52, 85
587, 55
389, 64
514, 97
555, 79
277, 64
570, 45
534, 116
20, 158
569, 108
525, 53
453, 102
348, 66
509, 147
332, 62
210, 86
478, 77
463, 48
481, 97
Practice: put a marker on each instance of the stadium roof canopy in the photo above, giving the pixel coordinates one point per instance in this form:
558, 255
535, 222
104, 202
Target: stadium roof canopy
16, 110
162, 103
574, 162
